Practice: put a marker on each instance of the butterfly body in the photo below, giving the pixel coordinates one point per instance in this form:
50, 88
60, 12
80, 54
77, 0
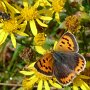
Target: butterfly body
64, 62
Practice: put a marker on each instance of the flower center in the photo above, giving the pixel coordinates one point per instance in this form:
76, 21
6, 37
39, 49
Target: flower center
39, 39
29, 13
58, 5
72, 22
10, 25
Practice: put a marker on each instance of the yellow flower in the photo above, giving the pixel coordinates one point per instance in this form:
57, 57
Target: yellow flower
57, 7
30, 14
72, 23
39, 39
34, 77
9, 27
43, 3
79, 83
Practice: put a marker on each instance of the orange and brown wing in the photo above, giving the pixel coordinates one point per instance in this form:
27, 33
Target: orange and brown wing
67, 43
64, 74
45, 64
67, 66
81, 63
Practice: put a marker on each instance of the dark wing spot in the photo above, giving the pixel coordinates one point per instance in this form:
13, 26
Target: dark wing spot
63, 42
78, 70
69, 48
83, 61
49, 68
71, 76
47, 59
43, 60
66, 82
40, 63
69, 43
61, 45
65, 39
83, 64
81, 67
46, 67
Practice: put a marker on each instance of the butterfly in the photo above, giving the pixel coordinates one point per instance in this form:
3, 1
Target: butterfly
65, 63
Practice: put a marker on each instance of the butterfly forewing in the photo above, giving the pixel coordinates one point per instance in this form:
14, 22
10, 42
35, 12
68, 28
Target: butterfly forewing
67, 65
45, 64
67, 43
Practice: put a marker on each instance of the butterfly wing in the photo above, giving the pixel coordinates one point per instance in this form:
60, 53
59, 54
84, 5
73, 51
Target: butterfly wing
67, 65
81, 63
67, 43
45, 64
63, 74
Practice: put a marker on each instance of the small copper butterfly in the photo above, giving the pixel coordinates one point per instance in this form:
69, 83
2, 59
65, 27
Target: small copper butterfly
64, 62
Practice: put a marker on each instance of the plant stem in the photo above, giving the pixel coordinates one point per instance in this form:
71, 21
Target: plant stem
15, 56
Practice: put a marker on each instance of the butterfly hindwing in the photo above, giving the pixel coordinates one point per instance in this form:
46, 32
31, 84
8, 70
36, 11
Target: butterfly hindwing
45, 64
63, 74
67, 65
67, 43
81, 63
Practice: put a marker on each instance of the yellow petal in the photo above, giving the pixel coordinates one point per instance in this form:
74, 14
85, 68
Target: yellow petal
40, 50
32, 81
55, 45
44, 3
21, 33
23, 26
84, 77
55, 84
3, 36
28, 83
45, 18
33, 27
13, 40
4, 7
41, 24
1, 30
84, 86
46, 85
31, 65
57, 17
1, 24
36, 4
40, 85
11, 8
25, 3
27, 72
75, 87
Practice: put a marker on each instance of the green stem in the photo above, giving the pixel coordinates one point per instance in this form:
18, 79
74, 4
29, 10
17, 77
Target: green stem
15, 56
